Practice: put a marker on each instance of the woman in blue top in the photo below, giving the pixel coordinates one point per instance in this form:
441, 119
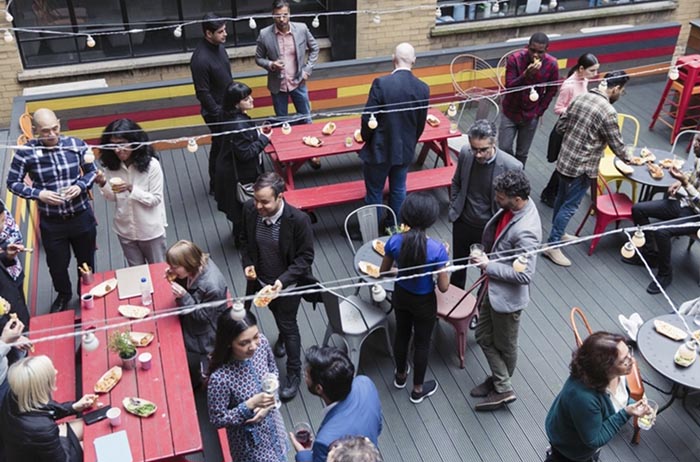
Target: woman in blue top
594, 403
414, 299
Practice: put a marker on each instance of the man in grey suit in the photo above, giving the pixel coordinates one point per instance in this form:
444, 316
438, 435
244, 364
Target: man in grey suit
514, 230
472, 197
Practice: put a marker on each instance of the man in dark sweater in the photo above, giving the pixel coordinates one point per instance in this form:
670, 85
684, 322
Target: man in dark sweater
277, 252
211, 74
472, 197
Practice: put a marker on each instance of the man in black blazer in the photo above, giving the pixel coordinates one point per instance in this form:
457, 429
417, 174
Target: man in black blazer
277, 252
472, 197
399, 102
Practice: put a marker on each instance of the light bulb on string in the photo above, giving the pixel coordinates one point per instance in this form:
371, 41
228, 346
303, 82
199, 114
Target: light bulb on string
377, 19
7, 36
627, 250
178, 32
316, 22
238, 311
438, 12
372, 122
451, 110
698, 233
520, 264
534, 96
89, 156
603, 85
9, 17
495, 8
673, 73
90, 42
286, 128
90, 341
553, 4
638, 238
192, 145
252, 24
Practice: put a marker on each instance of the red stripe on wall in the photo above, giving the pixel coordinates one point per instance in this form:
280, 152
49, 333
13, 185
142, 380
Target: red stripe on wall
590, 43
141, 116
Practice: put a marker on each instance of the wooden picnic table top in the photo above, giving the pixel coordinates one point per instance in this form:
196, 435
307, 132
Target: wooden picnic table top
173, 429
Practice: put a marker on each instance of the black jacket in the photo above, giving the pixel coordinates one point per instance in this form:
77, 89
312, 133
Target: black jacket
33, 436
211, 75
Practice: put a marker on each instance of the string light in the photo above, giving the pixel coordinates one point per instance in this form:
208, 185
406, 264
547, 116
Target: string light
372, 122
90, 42
534, 96
520, 264
378, 293
252, 24
286, 128
438, 12
90, 341
9, 17
316, 22
603, 85
192, 145
178, 32
627, 250
452, 110
377, 19
7, 36
698, 233
673, 73
238, 311
553, 4
89, 156
638, 238
495, 8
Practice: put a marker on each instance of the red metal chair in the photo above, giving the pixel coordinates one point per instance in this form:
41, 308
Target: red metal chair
608, 207
634, 378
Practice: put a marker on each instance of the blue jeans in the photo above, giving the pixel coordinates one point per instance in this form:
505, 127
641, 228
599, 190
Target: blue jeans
300, 98
525, 132
375, 177
569, 196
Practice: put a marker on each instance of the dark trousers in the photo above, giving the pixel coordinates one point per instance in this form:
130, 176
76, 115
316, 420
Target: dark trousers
463, 236
665, 209
216, 142
555, 456
59, 236
414, 314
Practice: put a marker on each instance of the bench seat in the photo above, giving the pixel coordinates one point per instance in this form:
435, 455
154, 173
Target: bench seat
61, 351
225, 450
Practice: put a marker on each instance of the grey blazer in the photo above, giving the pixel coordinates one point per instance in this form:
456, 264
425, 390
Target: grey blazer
268, 51
460, 180
509, 291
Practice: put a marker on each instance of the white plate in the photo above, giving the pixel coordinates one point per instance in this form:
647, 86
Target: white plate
133, 311
626, 169
102, 289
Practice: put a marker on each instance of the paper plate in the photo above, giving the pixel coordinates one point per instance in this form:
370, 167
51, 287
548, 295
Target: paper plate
139, 407
369, 269
133, 311
378, 246
626, 169
141, 339
108, 380
102, 289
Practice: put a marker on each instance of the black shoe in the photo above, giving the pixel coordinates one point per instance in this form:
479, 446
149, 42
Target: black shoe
279, 350
483, 389
652, 260
401, 383
429, 389
664, 281
494, 400
60, 303
290, 388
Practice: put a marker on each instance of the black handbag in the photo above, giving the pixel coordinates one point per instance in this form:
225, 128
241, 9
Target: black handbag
554, 145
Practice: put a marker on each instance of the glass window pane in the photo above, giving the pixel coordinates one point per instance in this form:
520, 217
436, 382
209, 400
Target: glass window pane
149, 14
43, 49
95, 16
194, 11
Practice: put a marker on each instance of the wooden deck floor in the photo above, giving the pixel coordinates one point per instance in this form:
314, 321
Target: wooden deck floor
445, 427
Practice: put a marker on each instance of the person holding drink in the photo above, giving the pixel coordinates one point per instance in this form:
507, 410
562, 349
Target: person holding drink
241, 359
594, 403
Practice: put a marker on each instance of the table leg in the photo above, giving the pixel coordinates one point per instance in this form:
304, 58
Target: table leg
690, 413
445, 154
675, 390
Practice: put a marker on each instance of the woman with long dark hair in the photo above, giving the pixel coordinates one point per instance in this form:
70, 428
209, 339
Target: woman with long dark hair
414, 299
133, 179
240, 160
242, 357
594, 403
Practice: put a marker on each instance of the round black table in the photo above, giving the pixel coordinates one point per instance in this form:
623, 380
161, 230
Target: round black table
659, 350
368, 254
641, 175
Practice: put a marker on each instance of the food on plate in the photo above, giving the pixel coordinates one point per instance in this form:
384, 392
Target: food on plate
378, 246
108, 380
104, 288
141, 339
369, 269
696, 335
250, 272
358, 135
623, 167
432, 120
647, 155
655, 171
5, 306
686, 354
133, 311
139, 407
634, 160
669, 330
264, 296
329, 128
669, 163
312, 141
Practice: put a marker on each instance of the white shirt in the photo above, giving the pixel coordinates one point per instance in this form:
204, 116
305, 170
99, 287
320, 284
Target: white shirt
620, 396
140, 214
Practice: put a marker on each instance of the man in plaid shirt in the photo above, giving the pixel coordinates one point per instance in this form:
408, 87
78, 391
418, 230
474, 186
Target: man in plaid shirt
682, 204
527, 69
60, 182
588, 125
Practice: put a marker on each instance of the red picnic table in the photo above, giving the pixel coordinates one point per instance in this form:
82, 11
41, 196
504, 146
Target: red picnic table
173, 430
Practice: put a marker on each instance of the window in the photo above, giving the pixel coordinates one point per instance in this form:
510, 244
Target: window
144, 17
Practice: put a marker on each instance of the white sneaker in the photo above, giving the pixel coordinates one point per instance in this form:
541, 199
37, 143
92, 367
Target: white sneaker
568, 237
557, 257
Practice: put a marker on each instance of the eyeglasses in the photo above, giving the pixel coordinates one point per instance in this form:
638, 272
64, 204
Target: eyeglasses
628, 358
481, 150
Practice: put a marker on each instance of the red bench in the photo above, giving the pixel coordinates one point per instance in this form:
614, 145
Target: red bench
225, 450
61, 351
351, 191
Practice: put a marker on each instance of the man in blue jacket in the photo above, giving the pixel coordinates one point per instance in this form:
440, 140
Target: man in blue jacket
352, 405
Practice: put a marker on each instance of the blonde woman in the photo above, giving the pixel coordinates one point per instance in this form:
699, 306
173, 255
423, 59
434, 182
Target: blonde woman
196, 279
28, 417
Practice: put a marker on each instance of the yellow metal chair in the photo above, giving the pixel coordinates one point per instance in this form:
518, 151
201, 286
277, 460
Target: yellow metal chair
629, 125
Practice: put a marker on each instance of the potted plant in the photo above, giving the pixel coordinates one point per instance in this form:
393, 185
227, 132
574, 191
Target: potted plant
120, 343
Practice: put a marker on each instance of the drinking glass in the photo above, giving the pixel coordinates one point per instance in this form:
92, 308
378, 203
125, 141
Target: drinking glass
304, 435
646, 421
476, 250
271, 385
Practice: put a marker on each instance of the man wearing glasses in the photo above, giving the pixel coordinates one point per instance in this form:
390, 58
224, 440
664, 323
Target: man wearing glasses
527, 69
472, 197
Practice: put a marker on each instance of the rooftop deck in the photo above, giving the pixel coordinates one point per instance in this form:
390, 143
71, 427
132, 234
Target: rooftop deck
445, 427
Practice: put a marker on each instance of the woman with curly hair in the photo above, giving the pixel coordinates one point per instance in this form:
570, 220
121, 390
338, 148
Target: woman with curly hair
134, 181
594, 403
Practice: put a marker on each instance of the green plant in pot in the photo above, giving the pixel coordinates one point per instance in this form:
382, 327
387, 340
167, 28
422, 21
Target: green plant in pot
120, 343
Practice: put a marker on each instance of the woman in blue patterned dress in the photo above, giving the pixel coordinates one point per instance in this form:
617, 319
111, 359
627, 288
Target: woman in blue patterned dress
11, 271
241, 358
